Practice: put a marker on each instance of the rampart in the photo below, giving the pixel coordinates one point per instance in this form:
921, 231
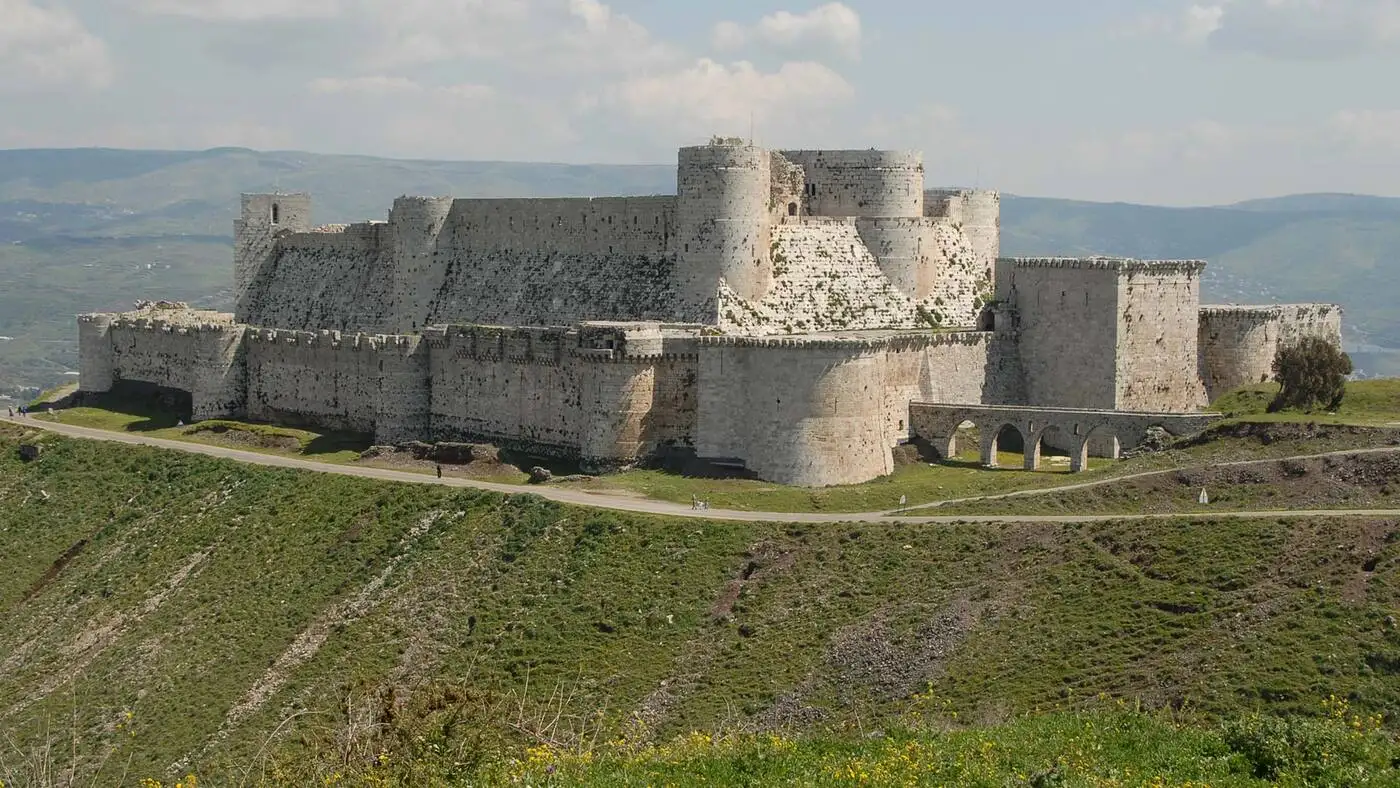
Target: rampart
1238, 343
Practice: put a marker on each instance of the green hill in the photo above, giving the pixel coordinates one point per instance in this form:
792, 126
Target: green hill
165, 613
95, 229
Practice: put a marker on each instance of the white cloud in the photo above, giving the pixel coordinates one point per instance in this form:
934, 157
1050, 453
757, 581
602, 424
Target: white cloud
397, 86
1190, 144
42, 48
244, 10
710, 97
1284, 29
1367, 128
834, 25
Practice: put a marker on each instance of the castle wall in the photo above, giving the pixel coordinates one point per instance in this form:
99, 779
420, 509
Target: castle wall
316, 281
864, 183
323, 378
517, 387
824, 412
1068, 327
510, 262
1238, 343
972, 367
1157, 344
203, 358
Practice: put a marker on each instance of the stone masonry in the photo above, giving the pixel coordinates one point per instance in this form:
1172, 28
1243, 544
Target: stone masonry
780, 313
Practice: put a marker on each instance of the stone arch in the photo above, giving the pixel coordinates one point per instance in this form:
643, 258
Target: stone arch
792, 209
1099, 440
1053, 439
951, 437
1003, 436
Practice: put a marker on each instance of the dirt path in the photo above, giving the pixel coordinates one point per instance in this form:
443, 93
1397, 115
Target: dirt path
647, 506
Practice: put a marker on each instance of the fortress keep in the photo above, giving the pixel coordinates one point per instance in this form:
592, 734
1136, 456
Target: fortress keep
781, 312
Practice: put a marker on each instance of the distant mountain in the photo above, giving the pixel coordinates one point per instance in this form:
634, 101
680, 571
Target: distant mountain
92, 229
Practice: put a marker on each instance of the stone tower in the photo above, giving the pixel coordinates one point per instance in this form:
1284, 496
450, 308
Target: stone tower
418, 271
723, 219
264, 216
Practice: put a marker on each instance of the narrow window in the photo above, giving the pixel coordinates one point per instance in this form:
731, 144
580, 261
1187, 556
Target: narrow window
276, 213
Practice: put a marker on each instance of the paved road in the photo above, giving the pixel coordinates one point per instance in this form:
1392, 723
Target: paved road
625, 503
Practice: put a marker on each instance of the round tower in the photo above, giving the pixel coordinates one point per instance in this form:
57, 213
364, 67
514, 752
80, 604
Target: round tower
981, 223
865, 183
722, 214
416, 224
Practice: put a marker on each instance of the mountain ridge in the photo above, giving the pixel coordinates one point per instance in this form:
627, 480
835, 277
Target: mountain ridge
84, 229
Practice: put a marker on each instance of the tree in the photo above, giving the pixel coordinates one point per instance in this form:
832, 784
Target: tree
1311, 371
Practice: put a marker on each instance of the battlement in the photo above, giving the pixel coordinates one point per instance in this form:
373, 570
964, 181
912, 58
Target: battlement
335, 340
1265, 311
1125, 265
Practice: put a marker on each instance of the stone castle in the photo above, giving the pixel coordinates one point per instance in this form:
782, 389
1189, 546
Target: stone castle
783, 312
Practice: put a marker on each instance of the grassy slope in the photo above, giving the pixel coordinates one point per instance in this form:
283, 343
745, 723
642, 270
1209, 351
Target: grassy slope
176, 587
1367, 402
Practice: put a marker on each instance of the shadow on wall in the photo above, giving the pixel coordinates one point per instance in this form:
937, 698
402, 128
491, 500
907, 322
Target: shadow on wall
157, 407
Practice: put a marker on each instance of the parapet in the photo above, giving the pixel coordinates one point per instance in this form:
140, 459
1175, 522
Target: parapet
335, 340
1119, 264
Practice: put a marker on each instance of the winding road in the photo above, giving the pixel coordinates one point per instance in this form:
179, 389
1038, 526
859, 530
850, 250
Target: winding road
638, 505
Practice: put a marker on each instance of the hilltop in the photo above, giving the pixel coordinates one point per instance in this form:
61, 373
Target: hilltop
166, 612
94, 229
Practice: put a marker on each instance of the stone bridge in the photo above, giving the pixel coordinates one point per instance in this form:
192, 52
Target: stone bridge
1080, 432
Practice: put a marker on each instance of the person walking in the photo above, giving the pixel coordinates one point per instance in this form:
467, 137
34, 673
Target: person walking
439, 470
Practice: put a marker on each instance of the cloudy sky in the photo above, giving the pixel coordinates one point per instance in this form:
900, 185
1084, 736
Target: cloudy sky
1155, 101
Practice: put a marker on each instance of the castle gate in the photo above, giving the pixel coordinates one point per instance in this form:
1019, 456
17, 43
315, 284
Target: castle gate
1071, 428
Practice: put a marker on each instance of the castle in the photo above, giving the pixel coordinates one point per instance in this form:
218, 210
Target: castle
781, 312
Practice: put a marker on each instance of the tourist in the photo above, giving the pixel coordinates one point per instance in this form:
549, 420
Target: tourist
439, 470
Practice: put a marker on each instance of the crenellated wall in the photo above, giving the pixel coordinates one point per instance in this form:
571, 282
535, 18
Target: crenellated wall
193, 351
322, 378
1238, 343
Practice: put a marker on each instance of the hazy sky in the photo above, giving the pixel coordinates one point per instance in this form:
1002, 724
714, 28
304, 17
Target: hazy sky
1143, 100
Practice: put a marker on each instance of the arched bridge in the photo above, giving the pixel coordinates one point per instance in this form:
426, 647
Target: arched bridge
1078, 431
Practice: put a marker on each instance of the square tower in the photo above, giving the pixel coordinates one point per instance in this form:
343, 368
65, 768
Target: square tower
262, 218
1108, 333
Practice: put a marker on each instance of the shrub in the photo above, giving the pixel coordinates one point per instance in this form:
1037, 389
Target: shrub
1310, 372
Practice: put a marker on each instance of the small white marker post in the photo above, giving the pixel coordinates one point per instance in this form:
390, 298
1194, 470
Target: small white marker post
1203, 497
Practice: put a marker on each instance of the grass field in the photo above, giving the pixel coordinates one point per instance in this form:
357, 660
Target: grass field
1367, 403
167, 613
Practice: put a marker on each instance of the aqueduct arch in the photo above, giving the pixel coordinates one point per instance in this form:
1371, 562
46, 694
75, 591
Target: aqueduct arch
1080, 432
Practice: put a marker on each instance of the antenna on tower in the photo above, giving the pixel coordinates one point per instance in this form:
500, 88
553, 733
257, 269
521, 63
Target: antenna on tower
750, 127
